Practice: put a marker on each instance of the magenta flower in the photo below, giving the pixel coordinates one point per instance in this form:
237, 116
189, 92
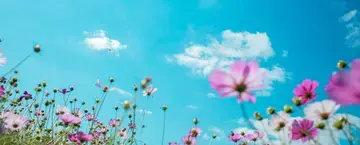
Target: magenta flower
89, 117
344, 85
80, 137
306, 91
26, 96
64, 91
2, 91
235, 137
73, 138
114, 123
239, 81
189, 140
304, 130
69, 119
195, 132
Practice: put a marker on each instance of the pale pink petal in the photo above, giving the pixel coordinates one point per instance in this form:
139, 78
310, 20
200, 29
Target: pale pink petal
355, 64
236, 71
247, 96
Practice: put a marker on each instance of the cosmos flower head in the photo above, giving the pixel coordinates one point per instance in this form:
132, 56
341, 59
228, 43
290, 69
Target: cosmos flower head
322, 110
80, 137
279, 121
114, 123
78, 113
26, 96
189, 140
149, 91
241, 79
303, 130
15, 122
89, 117
69, 119
306, 91
255, 136
60, 110
344, 85
195, 132
235, 137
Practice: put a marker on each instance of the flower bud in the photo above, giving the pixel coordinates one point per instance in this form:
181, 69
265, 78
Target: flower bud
288, 109
97, 101
129, 115
195, 121
164, 107
38, 89
55, 90
135, 88
37, 48
297, 101
36, 105
116, 108
341, 64
44, 84
111, 79
338, 124
271, 110
258, 116
126, 105
213, 136
320, 125
82, 103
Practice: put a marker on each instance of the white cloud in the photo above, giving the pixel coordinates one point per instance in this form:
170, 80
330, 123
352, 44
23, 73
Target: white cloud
203, 59
206, 136
353, 27
285, 53
99, 41
192, 107
145, 112
348, 16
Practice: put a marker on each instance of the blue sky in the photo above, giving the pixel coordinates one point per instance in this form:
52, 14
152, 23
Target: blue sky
294, 40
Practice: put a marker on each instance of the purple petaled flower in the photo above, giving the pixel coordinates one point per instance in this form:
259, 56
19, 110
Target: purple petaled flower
306, 91
69, 119
2, 91
114, 123
235, 137
189, 140
80, 137
26, 96
89, 117
64, 91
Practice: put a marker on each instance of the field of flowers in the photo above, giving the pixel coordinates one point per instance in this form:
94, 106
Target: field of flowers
47, 116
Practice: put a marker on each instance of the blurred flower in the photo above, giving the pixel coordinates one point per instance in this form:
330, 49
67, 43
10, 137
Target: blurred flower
114, 123
132, 125
322, 110
279, 121
173, 143
149, 91
344, 85
39, 113
123, 134
2, 91
306, 91
304, 130
195, 131
189, 140
69, 119
255, 136
64, 91
89, 117
235, 137
62, 110
3, 60
78, 113
239, 81
15, 122
80, 137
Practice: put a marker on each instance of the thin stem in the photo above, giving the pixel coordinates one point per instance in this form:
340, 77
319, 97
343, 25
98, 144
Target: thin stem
18, 64
246, 117
163, 134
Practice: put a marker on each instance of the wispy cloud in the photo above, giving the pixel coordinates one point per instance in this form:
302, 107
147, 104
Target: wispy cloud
353, 27
285, 53
145, 112
211, 95
203, 59
192, 107
99, 41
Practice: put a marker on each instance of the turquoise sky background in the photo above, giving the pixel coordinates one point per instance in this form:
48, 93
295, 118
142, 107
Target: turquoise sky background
307, 37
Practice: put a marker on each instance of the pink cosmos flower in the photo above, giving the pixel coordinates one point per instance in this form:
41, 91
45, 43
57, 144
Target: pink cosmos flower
2, 91
235, 137
80, 137
3, 60
89, 117
114, 123
239, 81
15, 122
344, 85
195, 131
304, 130
69, 119
255, 136
306, 91
189, 140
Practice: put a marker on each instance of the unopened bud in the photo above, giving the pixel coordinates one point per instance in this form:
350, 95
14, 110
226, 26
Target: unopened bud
271, 110
258, 116
297, 101
195, 121
320, 125
164, 107
288, 109
111, 79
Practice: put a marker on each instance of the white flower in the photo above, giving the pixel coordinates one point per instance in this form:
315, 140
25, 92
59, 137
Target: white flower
15, 122
149, 91
62, 110
321, 110
279, 120
78, 113
3, 60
